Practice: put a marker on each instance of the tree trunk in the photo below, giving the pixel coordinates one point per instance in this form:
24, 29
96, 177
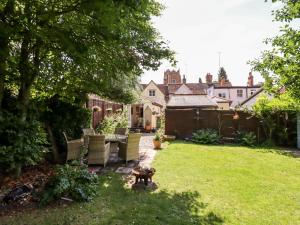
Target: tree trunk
54, 147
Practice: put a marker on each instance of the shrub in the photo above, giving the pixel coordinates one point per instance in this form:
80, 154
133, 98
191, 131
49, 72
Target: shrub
206, 136
23, 143
74, 182
246, 138
113, 121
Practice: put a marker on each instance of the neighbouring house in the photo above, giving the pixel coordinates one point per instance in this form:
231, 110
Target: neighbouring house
156, 97
250, 102
236, 94
191, 101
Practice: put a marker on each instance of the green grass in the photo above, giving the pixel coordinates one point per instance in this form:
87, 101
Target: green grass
198, 184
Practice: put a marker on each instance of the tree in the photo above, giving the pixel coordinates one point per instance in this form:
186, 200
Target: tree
74, 47
280, 66
222, 74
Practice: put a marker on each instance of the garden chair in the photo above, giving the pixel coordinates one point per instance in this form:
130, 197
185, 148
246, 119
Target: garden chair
98, 151
130, 150
86, 133
73, 148
121, 131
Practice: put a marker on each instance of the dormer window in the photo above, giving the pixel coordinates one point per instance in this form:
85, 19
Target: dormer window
151, 92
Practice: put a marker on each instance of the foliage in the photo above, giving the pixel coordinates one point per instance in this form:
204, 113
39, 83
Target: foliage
280, 66
22, 143
65, 116
77, 46
71, 181
206, 136
222, 74
161, 129
275, 115
113, 121
157, 137
246, 138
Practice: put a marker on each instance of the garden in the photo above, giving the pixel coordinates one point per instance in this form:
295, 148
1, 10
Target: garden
198, 184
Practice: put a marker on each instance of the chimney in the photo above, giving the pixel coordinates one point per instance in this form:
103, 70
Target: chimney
250, 82
222, 82
184, 79
200, 80
209, 78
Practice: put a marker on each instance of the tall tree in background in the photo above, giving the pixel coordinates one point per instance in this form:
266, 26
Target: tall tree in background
222, 74
74, 47
280, 66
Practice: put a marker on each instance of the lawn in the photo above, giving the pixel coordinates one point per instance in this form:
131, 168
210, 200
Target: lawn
198, 184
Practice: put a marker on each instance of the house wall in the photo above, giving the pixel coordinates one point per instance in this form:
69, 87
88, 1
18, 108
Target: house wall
159, 96
223, 105
231, 93
249, 104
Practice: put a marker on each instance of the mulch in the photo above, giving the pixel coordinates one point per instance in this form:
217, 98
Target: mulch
34, 176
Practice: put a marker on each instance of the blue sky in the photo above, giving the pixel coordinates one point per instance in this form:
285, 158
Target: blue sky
197, 30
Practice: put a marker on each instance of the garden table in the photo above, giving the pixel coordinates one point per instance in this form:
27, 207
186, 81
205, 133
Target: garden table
114, 140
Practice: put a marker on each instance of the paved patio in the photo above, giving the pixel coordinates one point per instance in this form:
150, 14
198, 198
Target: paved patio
115, 164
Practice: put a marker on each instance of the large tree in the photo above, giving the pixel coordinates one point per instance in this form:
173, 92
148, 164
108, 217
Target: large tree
280, 66
75, 47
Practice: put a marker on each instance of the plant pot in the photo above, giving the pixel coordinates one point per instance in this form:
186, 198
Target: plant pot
157, 144
148, 127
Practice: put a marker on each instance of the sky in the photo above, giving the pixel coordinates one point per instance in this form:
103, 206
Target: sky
197, 30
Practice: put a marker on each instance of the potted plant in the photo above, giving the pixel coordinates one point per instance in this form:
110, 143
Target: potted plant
157, 141
148, 126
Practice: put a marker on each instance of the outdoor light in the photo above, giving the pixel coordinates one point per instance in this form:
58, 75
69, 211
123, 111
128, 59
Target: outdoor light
236, 116
97, 109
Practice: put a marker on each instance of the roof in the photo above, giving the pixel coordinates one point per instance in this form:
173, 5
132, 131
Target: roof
220, 100
230, 87
190, 101
252, 96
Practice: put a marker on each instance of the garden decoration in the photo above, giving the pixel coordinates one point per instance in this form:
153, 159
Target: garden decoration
143, 174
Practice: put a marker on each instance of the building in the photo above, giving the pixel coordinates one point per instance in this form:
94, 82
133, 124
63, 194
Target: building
236, 94
176, 90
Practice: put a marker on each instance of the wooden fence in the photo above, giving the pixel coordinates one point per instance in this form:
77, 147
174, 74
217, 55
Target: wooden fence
183, 122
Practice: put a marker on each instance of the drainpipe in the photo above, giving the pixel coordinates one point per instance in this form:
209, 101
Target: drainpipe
298, 130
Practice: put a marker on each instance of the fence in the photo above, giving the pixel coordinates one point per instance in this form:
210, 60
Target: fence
183, 122
101, 109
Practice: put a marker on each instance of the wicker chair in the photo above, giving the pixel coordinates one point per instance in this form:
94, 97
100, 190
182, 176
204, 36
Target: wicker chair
121, 131
98, 150
130, 150
73, 148
86, 133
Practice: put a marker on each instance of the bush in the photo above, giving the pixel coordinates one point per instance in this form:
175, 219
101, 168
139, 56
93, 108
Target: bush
113, 121
74, 182
23, 143
63, 116
206, 136
246, 138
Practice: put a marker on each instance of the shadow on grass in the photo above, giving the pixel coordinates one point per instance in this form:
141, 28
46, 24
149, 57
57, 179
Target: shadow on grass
161, 207
119, 205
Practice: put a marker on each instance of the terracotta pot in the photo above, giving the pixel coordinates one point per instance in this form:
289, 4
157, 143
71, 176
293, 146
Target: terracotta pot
148, 127
157, 144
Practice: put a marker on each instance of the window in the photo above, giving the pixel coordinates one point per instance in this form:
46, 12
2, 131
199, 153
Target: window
252, 92
151, 92
239, 93
222, 95
173, 81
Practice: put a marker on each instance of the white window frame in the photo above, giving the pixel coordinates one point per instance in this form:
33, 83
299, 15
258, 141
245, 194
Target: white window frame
222, 95
240, 93
152, 93
252, 92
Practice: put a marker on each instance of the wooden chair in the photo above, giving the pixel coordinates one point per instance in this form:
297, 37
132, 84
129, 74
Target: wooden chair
86, 133
121, 131
130, 150
98, 150
73, 148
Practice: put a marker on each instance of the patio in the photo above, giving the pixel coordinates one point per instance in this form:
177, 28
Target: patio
115, 164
